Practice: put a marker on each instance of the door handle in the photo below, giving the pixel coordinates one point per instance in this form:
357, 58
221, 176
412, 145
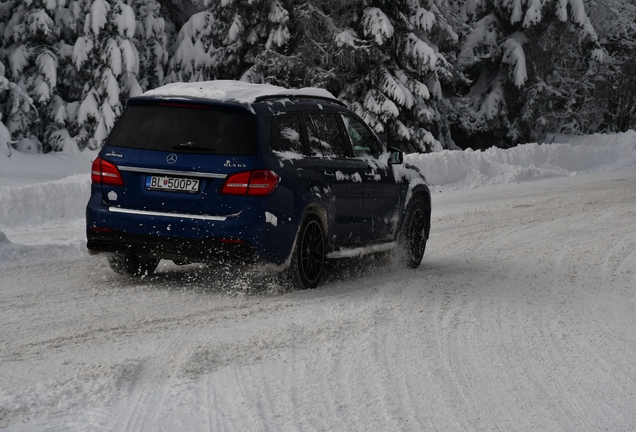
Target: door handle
329, 174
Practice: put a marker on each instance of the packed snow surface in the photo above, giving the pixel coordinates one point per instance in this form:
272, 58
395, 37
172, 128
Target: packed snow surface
228, 90
522, 315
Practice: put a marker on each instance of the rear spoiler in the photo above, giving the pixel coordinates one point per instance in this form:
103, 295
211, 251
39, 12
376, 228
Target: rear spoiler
299, 97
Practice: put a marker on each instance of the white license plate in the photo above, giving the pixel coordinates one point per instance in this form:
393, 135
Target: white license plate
172, 184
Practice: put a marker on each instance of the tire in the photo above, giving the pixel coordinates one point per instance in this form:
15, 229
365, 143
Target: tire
308, 258
133, 265
412, 238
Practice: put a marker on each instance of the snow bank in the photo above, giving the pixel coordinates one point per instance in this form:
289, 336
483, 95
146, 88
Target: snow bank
18, 168
64, 200
42, 203
460, 169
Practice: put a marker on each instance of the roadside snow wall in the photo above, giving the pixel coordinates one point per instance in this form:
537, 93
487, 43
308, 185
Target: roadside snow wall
64, 200
41, 203
592, 153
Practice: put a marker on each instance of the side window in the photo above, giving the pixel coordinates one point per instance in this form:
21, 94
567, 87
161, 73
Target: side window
286, 134
324, 134
362, 140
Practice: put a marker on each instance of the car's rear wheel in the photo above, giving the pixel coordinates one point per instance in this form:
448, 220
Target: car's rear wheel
412, 238
308, 259
132, 265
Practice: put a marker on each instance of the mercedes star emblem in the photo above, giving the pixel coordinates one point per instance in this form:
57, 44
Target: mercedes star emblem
172, 158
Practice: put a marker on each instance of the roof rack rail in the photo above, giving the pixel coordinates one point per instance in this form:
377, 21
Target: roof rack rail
293, 96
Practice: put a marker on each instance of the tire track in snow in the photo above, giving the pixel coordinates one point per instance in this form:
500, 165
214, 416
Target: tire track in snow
525, 367
582, 387
269, 344
515, 321
469, 349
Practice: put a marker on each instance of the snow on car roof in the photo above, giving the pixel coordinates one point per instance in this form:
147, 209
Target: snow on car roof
236, 91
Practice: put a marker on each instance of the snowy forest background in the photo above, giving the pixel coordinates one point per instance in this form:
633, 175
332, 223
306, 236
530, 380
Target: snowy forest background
426, 74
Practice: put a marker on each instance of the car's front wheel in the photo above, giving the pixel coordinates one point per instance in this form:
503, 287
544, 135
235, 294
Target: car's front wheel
308, 259
412, 238
132, 265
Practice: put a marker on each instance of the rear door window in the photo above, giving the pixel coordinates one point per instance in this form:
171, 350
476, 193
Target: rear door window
183, 127
286, 134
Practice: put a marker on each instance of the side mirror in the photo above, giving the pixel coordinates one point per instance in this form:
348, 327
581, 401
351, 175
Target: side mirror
397, 156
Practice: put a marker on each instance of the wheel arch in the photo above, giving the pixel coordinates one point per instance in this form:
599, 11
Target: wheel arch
319, 210
300, 266
312, 202
423, 193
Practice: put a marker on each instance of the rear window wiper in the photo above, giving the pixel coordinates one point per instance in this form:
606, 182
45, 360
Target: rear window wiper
190, 146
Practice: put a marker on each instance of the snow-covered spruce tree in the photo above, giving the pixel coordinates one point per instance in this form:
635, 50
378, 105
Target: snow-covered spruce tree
531, 65
615, 98
388, 55
18, 114
381, 57
35, 43
193, 57
108, 64
297, 51
378, 56
262, 39
18, 110
614, 102
175, 13
226, 39
283, 42
151, 41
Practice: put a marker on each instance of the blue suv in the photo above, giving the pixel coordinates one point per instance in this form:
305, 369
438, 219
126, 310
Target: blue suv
225, 171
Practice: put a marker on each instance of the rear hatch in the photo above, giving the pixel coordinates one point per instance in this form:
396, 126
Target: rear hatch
174, 156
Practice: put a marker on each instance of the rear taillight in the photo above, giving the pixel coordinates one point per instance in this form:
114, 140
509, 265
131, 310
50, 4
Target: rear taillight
104, 172
236, 184
262, 182
251, 183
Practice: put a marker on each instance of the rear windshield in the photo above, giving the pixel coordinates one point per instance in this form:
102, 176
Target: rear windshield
184, 127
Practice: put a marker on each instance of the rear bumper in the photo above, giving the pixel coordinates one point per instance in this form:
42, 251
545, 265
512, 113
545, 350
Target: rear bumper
244, 238
191, 249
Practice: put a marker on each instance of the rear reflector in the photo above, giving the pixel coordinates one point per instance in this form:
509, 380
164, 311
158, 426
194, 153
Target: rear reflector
101, 230
231, 240
104, 172
251, 183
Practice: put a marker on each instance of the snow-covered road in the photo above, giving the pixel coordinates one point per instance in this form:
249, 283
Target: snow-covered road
522, 316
